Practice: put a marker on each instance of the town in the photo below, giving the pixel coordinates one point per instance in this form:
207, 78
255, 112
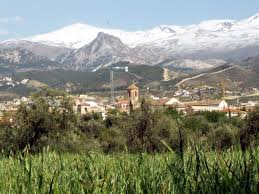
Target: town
184, 101
129, 96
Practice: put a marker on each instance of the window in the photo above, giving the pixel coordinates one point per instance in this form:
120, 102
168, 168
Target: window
136, 93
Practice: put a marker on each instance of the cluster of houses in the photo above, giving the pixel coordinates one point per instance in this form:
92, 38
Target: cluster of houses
84, 104
198, 93
184, 107
9, 81
196, 106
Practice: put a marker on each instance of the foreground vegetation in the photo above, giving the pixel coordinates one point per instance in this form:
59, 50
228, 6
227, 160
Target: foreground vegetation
196, 172
48, 148
51, 122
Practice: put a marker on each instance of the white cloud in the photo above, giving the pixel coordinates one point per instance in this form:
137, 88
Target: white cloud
3, 32
11, 19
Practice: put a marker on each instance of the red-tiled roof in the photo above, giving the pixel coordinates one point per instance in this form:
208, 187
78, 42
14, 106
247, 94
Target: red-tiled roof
160, 102
232, 110
202, 103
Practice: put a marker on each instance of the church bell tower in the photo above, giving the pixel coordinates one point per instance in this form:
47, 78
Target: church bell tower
133, 95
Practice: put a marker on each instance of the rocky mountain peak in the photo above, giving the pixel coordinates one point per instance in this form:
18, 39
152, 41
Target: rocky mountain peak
103, 38
105, 43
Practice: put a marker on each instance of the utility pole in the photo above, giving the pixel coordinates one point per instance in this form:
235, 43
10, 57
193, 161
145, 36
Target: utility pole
223, 88
112, 86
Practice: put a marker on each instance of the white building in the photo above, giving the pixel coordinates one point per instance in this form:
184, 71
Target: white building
85, 107
208, 105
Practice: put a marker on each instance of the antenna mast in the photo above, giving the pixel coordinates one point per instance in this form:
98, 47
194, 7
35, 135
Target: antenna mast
223, 88
126, 69
112, 86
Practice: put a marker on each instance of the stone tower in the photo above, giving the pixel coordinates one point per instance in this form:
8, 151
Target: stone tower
166, 76
133, 95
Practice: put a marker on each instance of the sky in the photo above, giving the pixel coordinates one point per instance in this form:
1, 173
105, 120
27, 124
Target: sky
23, 18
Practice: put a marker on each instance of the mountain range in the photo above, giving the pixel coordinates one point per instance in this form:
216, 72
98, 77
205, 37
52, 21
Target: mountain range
87, 48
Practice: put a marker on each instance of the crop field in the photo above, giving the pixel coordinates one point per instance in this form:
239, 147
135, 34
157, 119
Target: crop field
192, 172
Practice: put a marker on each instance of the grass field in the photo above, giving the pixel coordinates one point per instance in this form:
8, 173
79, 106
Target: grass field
195, 172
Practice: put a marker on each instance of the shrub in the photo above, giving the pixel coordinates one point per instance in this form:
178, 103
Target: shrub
113, 140
223, 137
197, 125
250, 133
212, 116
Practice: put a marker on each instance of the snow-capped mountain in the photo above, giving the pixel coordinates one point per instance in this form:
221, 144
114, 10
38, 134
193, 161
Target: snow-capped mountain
104, 50
84, 47
101, 51
212, 34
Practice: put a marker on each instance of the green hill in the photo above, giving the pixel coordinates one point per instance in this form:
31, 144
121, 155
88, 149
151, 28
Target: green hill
95, 81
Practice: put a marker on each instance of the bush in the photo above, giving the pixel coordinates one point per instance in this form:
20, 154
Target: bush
148, 128
250, 133
223, 137
41, 118
197, 125
212, 116
113, 140
69, 141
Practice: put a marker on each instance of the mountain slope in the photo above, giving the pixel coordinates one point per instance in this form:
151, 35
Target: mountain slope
103, 51
18, 56
51, 52
243, 75
95, 81
190, 65
252, 65
13, 58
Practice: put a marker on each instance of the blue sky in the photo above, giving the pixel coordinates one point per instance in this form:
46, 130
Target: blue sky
22, 18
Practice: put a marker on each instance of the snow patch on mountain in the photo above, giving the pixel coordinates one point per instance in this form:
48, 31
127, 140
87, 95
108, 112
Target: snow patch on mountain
193, 64
212, 34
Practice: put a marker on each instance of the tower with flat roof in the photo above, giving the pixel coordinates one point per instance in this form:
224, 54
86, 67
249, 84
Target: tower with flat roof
133, 95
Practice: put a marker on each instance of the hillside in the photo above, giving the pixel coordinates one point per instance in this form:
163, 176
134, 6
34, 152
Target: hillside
252, 64
244, 75
94, 81
21, 59
50, 52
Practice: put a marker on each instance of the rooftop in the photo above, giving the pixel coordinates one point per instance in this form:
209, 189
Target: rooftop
207, 102
132, 87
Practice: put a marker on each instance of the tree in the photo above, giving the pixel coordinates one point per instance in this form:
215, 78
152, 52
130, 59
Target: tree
147, 128
113, 140
172, 112
212, 116
223, 137
44, 116
249, 135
